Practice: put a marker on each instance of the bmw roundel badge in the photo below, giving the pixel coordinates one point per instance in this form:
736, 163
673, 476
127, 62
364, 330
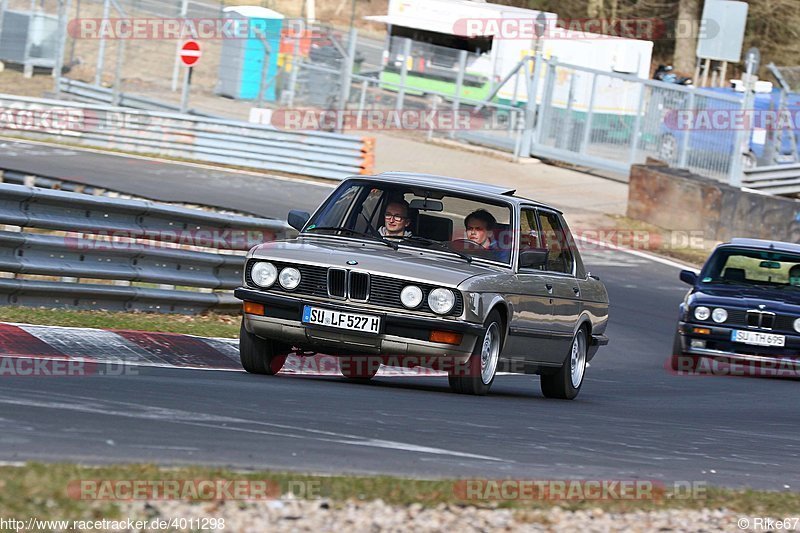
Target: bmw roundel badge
352, 262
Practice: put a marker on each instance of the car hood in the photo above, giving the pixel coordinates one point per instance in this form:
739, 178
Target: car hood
414, 263
781, 300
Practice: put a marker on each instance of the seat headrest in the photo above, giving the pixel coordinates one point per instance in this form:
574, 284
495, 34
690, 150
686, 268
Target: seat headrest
734, 274
433, 227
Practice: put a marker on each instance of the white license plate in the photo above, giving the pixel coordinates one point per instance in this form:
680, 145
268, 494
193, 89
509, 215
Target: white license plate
757, 338
341, 320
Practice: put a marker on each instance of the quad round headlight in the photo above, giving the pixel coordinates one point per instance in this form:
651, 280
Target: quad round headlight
411, 296
702, 313
797, 325
719, 315
289, 278
441, 300
264, 274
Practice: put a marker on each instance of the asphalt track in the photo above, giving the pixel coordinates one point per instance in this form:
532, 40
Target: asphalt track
633, 419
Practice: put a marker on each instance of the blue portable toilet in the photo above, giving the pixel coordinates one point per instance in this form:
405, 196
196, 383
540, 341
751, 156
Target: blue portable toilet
241, 67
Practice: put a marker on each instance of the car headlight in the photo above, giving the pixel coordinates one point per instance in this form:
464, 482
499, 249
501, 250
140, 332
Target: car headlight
441, 300
264, 274
719, 315
289, 278
411, 296
702, 313
797, 325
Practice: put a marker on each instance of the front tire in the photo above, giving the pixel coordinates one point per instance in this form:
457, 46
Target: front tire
359, 368
680, 361
566, 383
259, 356
477, 375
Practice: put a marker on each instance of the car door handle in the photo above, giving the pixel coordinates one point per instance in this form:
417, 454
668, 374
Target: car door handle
549, 287
576, 290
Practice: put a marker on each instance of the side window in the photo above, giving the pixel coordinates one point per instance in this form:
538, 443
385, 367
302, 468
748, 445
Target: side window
528, 230
554, 239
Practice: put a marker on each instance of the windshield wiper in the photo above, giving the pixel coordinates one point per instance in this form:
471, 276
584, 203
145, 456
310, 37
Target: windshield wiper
378, 237
440, 245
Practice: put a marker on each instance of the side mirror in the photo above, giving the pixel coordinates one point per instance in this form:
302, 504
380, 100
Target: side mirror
297, 219
533, 258
688, 277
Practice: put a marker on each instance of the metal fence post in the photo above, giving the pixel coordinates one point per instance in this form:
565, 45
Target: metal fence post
587, 129
58, 65
401, 92
741, 143
101, 51
346, 78
296, 61
683, 156
462, 67
531, 106
176, 65
116, 93
549, 81
637, 125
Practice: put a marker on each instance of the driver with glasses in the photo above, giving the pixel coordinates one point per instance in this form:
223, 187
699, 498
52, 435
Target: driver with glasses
396, 220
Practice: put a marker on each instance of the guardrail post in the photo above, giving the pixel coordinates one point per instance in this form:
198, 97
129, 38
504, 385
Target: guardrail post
116, 94
58, 63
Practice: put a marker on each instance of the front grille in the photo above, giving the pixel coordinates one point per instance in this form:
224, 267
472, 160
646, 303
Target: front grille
753, 319
337, 282
760, 319
737, 317
767, 320
359, 286
380, 291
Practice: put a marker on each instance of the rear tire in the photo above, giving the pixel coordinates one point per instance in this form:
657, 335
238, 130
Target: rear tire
477, 375
258, 356
566, 383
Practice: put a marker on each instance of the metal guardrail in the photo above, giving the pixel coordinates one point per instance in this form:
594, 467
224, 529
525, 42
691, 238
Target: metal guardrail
127, 241
88, 92
774, 179
230, 142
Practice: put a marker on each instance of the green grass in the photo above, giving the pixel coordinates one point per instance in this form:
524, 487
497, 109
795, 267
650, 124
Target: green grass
42, 490
206, 325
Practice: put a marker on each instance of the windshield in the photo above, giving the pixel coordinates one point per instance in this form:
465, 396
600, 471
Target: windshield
416, 217
753, 267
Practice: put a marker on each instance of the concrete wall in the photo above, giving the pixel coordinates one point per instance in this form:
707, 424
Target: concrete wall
676, 199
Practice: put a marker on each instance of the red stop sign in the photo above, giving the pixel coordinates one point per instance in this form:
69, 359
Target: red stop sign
190, 53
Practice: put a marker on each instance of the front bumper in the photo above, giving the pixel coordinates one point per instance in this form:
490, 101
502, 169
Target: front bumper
718, 344
401, 335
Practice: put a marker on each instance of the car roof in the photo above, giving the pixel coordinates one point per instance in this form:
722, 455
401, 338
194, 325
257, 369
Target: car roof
434, 181
763, 244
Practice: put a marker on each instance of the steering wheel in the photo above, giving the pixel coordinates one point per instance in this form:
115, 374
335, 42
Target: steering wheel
465, 244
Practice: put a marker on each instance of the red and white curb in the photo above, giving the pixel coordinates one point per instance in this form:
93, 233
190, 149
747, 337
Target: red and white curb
154, 349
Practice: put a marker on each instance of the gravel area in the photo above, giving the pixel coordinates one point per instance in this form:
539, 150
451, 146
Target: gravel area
322, 515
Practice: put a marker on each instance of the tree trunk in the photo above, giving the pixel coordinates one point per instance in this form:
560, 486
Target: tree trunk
689, 13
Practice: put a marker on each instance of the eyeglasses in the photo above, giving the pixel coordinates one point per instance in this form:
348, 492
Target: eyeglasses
389, 216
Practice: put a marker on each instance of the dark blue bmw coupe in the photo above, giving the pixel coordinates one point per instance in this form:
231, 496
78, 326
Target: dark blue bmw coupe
744, 307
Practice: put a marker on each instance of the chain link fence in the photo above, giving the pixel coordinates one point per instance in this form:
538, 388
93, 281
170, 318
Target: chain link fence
340, 81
